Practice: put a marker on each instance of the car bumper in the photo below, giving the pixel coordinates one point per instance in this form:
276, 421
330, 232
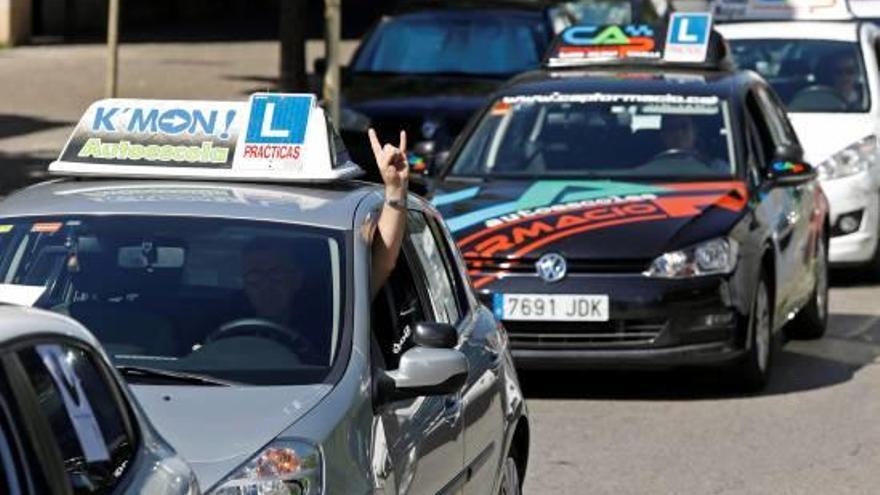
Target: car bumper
653, 323
854, 195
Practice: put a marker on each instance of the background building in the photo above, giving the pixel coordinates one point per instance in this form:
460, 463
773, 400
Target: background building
24, 21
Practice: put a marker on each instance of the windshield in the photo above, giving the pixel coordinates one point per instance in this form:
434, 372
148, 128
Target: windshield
497, 45
213, 297
809, 75
601, 135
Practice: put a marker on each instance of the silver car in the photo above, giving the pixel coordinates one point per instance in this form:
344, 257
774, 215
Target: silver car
67, 423
412, 390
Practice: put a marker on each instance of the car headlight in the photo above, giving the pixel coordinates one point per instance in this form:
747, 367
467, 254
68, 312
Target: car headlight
286, 467
713, 257
851, 160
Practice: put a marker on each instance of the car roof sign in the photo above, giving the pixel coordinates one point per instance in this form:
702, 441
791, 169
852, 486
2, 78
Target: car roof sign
789, 10
687, 39
582, 45
273, 138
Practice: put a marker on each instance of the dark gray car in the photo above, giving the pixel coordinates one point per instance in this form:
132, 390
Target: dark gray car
411, 391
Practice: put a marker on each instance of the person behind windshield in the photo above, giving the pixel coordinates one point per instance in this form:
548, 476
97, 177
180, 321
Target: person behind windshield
271, 278
680, 138
844, 70
679, 134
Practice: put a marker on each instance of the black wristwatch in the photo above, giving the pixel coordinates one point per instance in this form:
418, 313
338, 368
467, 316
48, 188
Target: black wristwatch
397, 204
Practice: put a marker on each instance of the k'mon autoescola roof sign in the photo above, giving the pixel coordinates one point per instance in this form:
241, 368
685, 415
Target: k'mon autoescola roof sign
271, 137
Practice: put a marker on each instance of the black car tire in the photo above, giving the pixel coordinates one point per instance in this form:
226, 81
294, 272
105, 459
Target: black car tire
510, 480
752, 372
812, 321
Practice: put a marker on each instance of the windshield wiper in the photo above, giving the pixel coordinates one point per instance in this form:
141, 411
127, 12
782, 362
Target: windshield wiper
172, 376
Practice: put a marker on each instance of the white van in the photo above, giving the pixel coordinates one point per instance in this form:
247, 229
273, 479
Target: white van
826, 73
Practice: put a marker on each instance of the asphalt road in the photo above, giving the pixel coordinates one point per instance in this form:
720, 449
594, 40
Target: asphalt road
815, 430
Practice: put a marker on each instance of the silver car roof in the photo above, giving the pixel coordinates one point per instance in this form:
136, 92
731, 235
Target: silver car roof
18, 322
331, 206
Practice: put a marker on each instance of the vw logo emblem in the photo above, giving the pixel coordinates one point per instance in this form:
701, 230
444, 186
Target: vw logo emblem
551, 267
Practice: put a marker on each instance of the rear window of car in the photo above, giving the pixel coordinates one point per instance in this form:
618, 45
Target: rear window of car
808, 75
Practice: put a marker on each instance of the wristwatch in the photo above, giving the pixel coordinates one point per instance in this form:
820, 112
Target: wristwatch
396, 203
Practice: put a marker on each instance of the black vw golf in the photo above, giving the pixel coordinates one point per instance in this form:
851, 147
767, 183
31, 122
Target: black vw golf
641, 214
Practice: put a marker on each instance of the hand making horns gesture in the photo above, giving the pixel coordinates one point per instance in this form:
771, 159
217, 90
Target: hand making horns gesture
393, 166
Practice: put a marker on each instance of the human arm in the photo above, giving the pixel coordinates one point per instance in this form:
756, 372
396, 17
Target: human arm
387, 240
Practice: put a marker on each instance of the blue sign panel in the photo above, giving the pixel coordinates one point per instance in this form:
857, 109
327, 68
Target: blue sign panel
278, 119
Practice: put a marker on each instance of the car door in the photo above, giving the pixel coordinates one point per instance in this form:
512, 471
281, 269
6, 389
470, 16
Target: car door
80, 425
420, 441
21, 471
804, 234
483, 409
776, 207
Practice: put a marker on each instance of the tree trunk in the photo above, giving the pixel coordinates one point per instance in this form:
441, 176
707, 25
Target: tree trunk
292, 32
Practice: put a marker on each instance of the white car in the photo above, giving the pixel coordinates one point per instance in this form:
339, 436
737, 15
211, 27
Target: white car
68, 423
826, 74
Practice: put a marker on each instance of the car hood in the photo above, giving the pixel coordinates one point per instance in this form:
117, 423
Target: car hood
587, 219
216, 429
824, 134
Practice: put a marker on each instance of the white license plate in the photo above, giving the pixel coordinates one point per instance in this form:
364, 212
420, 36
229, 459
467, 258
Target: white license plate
551, 307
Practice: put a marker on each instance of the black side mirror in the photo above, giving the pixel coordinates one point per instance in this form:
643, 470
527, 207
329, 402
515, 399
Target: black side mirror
790, 173
788, 167
435, 335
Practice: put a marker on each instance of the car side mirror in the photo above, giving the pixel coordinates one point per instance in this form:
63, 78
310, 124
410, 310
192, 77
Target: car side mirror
435, 335
422, 372
790, 173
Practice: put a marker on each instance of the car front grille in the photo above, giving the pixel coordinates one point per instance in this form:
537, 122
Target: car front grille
583, 335
575, 266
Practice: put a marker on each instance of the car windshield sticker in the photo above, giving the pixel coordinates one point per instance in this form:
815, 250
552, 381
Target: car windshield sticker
47, 227
584, 98
5, 229
687, 39
77, 404
21, 295
645, 122
606, 42
500, 109
550, 211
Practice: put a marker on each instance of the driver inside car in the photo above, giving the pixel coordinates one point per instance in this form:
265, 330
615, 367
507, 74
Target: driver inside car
273, 280
680, 139
845, 80
679, 134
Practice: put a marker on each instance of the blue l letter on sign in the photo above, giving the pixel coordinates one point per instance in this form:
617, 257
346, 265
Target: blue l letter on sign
688, 37
278, 119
